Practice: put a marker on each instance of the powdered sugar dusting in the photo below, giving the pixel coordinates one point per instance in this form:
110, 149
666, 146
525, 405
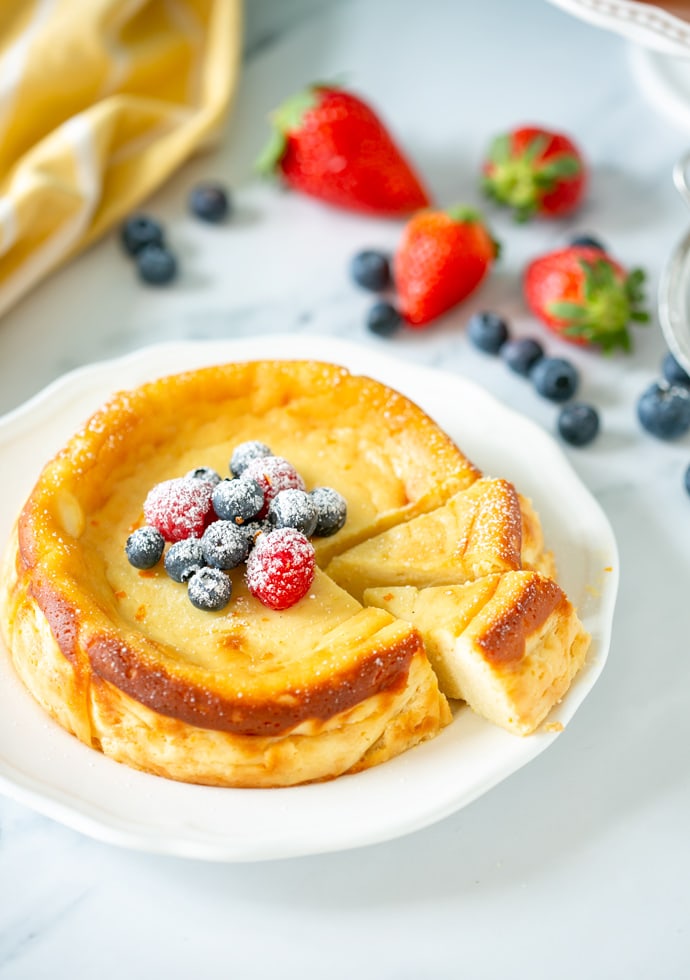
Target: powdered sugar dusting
273, 474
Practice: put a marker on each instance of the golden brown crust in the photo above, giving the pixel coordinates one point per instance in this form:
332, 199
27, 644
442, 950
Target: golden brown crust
533, 599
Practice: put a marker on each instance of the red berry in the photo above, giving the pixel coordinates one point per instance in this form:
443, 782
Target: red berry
273, 474
180, 508
280, 569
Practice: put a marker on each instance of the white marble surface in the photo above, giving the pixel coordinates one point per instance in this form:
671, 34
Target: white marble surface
578, 864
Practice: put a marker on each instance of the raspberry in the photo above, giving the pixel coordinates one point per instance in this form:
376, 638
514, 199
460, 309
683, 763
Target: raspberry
280, 569
180, 508
273, 474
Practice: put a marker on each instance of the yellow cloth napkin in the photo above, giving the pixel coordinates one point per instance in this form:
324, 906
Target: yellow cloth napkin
100, 100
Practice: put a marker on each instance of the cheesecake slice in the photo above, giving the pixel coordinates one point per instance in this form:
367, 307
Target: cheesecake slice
509, 645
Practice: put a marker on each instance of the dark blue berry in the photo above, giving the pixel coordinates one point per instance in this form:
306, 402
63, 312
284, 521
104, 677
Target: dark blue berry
331, 510
587, 241
687, 479
144, 547
156, 265
224, 545
252, 530
521, 354
294, 508
210, 202
383, 319
674, 372
245, 453
183, 559
555, 378
140, 230
204, 473
371, 270
664, 410
209, 589
238, 500
578, 423
488, 332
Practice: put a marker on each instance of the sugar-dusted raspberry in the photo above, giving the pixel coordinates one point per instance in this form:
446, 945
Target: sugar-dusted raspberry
273, 474
280, 568
180, 508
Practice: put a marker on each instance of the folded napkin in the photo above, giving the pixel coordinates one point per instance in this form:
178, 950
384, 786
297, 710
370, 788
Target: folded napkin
100, 100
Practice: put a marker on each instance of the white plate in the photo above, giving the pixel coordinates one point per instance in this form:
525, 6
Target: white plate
47, 769
648, 25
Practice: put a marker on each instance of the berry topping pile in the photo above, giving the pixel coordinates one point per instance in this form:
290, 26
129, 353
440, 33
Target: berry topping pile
262, 515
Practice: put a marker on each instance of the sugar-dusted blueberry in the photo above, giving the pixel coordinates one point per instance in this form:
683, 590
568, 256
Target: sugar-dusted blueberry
331, 511
253, 529
371, 270
555, 378
383, 319
209, 589
238, 500
156, 265
294, 508
204, 473
587, 241
144, 547
521, 354
578, 423
488, 331
210, 201
224, 545
183, 559
674, 372
140, 230
245, 453
664, 410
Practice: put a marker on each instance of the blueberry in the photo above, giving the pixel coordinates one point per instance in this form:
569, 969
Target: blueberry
488, 332
209, 589
687, 479
245, 453
587, 241
674, 372
331, 510
144, 547
252, 530
210, 202
224, 545
294, 508
522, 354
555, 378
140, 230
383, 319
371, 270
156, 265
238, 500
204, 473
664, 410
183, 559
578, 423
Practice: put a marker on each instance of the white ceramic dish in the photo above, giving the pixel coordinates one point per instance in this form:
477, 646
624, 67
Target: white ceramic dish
647, 25
47, 769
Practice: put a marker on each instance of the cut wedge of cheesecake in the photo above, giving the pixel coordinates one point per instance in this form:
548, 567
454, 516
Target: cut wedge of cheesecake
480, 530
507, 644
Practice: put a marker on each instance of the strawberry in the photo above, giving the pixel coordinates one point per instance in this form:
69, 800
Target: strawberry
535, 172
331, 145
442, 257
585, 296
